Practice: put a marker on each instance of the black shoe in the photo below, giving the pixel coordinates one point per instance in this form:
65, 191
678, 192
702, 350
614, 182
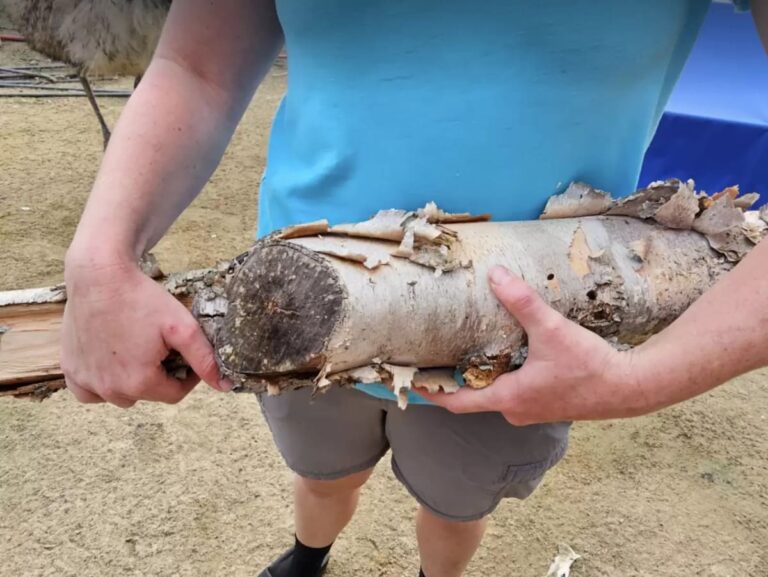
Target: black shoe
283, 562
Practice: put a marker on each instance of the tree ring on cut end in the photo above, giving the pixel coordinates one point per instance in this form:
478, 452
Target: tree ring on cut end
284, 303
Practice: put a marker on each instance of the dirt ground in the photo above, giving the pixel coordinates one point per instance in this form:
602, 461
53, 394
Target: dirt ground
198, 488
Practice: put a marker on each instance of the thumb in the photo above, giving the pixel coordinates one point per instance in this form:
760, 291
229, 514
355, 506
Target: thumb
521, 300
190, 341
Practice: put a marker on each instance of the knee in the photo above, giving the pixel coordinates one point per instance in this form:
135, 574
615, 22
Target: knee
335, 487
443, 525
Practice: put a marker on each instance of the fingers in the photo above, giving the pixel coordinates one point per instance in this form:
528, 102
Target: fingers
87, 396
189, 340
120, 401
81, 394
499, 397
166, 389
466, 399
519, 298
159, 387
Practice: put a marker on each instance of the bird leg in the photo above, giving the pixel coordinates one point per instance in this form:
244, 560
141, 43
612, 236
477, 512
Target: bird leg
105, 133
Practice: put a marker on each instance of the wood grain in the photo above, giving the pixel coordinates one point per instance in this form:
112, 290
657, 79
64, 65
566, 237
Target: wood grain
29, 343
30, 330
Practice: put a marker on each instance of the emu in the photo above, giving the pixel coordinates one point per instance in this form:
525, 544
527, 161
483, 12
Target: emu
97, 37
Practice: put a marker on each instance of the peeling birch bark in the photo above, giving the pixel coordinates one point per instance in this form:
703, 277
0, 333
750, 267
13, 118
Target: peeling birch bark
579, 199
293, 310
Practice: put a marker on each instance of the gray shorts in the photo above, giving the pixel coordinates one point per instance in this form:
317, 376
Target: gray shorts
457, 466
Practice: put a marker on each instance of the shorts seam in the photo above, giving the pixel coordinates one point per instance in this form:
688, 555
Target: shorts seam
542, 467
521, 473
367, 464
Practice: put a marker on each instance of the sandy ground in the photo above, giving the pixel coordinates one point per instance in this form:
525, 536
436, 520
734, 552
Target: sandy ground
198, 488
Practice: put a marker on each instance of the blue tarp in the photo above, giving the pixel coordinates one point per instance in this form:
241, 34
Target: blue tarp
715, 128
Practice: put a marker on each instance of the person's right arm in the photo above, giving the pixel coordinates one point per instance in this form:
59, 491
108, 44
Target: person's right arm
118, 324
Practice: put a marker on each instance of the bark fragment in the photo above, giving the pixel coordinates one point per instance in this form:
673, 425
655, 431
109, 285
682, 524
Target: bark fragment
307, 229
746, 201
561, 566
722, 224
150, 266
754, 227
579, 199
56, 294
680, 210
646, 202
675, 204
437, 215
481, 370
370, 258
385, 225
400, 380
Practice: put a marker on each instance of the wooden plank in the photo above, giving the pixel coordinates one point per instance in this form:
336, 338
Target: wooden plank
29, 342
34, 391
31, 323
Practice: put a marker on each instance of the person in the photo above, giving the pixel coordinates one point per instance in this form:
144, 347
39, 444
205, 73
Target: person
488, 107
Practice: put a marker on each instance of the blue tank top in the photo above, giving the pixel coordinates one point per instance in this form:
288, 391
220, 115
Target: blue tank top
479, 106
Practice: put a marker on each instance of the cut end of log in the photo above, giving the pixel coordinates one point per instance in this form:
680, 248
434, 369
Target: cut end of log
284, 303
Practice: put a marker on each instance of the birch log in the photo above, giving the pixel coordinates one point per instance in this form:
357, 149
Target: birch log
295, 311
403, 298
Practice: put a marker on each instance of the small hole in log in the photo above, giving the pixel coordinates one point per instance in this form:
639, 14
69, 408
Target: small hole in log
591, 295
551, 276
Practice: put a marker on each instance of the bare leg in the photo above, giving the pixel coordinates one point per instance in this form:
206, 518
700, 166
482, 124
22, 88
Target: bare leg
323, 508
446, 547
95, 105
